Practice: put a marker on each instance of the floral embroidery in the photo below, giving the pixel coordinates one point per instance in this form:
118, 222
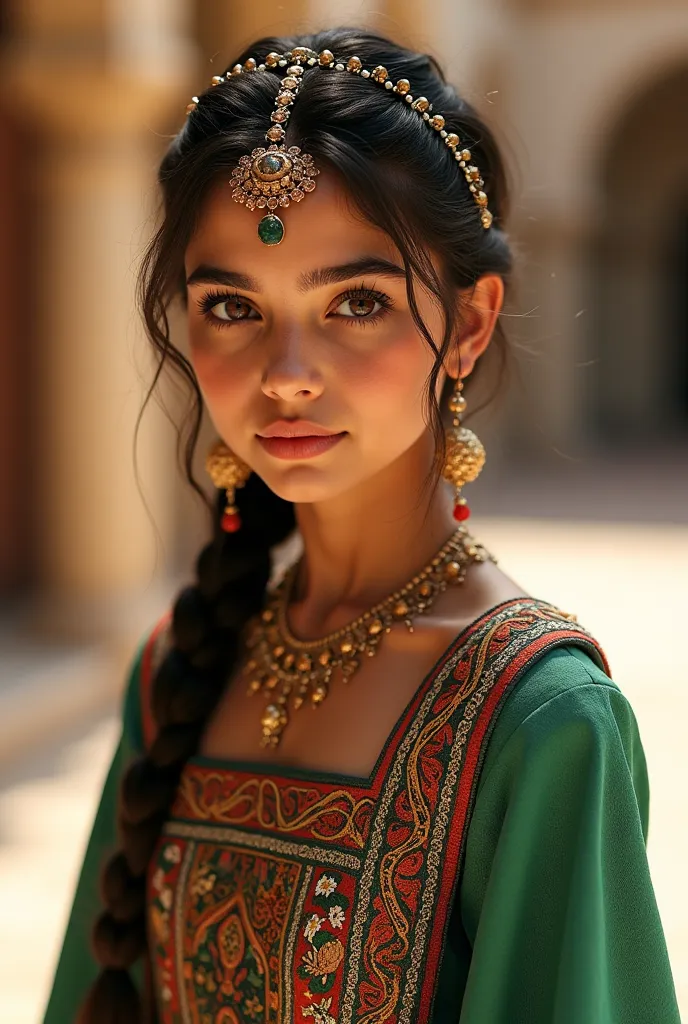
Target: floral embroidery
253, 1007
164, 874
320, 964
204, 881
319, 1012
325, 960
336, 917
326, 886
172, 854
160, 920
312, 926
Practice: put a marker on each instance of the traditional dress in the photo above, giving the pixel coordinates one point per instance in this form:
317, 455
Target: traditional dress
491, 870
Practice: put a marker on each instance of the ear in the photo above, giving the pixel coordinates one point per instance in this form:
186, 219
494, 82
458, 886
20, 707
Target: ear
480, 307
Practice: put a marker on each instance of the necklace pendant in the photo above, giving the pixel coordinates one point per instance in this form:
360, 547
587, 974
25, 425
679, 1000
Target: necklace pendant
349, 668
273, 722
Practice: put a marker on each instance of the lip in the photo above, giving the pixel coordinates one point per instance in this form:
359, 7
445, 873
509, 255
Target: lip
296, 428
299, 446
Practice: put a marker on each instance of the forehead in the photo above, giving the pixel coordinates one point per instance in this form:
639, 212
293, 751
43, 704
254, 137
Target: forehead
325, 228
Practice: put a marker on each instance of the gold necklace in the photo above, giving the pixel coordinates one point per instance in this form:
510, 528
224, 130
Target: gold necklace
302, 666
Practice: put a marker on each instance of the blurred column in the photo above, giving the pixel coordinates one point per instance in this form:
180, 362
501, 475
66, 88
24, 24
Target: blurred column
325, 14
93, 82
225, 29
465, 36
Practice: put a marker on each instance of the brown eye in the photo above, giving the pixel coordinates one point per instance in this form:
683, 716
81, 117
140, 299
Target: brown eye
231, 309
360, 306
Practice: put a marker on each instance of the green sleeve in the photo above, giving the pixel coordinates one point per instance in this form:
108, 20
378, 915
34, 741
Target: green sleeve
76, 967
556, 903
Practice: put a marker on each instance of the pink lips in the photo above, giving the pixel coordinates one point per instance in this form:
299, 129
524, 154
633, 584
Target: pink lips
297, 439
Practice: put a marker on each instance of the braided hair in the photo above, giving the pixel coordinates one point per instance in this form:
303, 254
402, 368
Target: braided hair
406, 185
232, 572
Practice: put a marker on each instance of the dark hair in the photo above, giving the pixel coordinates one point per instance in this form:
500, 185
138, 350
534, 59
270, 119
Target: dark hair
403, 180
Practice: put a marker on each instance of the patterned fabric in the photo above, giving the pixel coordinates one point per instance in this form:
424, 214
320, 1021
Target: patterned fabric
279, 896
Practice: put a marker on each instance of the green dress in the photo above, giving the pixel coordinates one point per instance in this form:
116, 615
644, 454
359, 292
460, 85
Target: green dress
492, 869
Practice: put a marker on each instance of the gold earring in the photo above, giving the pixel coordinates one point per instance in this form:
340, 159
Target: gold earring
227, 471
465, 454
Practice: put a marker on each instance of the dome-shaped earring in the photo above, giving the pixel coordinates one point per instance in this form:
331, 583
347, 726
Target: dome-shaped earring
227, 471
465, 453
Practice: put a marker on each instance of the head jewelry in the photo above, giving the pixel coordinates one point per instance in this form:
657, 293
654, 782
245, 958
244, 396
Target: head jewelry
273, 176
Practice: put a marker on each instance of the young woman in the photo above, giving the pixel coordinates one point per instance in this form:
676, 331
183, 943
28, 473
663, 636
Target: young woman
389, 785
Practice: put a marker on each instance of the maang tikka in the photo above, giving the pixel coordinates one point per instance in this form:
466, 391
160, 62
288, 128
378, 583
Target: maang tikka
273, 176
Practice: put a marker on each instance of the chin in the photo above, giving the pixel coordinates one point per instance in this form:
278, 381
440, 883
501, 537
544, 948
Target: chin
303, 484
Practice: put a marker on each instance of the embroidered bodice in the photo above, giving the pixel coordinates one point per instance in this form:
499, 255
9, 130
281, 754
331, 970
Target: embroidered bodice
283, 896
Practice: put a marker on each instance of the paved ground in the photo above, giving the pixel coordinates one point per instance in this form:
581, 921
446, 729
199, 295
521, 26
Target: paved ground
45, 811
627, 583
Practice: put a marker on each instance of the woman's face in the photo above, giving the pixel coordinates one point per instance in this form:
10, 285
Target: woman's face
316, 328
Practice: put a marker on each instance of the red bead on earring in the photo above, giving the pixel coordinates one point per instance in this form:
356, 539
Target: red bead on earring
461, 510
227, 471
231, 520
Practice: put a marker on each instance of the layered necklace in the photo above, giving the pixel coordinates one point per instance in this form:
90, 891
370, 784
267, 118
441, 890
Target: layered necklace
285, 667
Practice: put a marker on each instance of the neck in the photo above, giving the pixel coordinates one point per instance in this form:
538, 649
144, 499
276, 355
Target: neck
363, 545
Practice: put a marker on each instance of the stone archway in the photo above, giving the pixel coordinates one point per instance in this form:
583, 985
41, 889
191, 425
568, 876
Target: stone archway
640, 269
676, 302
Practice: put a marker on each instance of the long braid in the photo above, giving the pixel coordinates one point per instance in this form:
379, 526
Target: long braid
232, 573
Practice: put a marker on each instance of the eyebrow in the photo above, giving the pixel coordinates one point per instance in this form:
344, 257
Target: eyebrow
363, 266
309, 280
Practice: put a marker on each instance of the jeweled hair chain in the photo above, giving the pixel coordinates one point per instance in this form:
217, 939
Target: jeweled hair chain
273, 176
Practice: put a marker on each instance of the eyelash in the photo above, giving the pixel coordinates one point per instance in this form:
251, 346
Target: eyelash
210, 299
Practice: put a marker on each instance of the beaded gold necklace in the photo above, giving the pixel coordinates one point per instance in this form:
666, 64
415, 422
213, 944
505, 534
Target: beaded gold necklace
305, 667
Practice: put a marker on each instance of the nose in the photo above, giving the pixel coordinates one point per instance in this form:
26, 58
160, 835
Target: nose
289, 377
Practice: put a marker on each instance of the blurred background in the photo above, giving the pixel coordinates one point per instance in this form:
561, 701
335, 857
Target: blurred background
584, 498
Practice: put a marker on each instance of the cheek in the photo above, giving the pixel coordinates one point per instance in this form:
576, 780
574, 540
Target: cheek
388, 391
224, 382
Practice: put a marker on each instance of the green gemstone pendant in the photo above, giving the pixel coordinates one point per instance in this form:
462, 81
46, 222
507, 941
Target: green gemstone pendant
271, 230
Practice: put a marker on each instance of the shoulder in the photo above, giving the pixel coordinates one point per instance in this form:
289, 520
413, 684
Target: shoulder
557, 673
564, 706
541, 677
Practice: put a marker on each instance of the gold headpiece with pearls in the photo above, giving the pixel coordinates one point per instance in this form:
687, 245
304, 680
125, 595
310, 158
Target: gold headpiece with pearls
274, 176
